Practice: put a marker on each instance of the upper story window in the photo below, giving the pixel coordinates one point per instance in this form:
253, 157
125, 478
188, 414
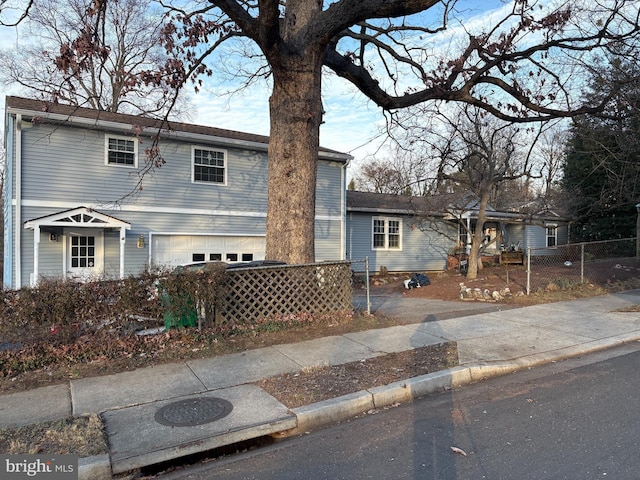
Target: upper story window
209, 166
387, 234
552, 235
121, 151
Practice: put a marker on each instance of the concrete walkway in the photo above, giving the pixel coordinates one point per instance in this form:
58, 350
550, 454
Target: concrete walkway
493, 342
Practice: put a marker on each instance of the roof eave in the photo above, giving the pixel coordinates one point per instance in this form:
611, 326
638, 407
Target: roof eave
127, 127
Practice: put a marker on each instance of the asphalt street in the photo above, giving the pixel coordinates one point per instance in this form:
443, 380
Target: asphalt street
576, 419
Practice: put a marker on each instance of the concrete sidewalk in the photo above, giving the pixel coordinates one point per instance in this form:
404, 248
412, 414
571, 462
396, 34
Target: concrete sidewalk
489, 343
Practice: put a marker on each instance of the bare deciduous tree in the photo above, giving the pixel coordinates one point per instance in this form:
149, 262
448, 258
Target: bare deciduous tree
549, 156
398, 172
475, 153
107, 80
519, 65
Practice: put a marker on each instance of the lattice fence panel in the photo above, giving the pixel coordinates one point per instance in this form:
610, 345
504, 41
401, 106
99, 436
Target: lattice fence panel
273, 291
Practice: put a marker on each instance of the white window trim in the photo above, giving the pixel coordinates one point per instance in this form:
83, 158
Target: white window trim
120, 137
193, 164
386, 234
547, 236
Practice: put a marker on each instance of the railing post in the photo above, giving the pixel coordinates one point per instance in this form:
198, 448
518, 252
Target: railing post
528, 270
582, 262
366, 271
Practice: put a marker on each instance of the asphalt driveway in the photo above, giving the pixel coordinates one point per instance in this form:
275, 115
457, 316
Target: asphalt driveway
419, 310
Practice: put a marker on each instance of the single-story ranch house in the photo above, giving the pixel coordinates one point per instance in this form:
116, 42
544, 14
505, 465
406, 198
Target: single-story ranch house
412, 234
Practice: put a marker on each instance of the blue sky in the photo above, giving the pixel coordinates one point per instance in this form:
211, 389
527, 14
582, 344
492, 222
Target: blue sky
352, 124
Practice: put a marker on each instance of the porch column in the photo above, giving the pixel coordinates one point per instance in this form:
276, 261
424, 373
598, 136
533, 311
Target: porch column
36, 255
123, 237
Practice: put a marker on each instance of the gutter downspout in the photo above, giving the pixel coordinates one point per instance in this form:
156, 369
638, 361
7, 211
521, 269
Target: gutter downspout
343, 213
123, 238
17, 253
36, 256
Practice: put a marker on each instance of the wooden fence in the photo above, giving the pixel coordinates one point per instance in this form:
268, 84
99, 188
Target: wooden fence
276, 291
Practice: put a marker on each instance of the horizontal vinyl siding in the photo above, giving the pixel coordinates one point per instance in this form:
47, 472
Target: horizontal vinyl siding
563, 234
534, 237
329, 189
68, 164
421, 250
328, 240
515, 234
136, 259
50, 258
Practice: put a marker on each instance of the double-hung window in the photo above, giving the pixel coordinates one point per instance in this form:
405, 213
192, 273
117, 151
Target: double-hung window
387, 234
209, 166
552, 235
121, 151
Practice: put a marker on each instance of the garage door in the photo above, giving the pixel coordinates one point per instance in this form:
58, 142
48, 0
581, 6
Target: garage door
172, 250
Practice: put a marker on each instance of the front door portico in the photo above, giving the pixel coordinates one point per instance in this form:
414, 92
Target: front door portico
83, 229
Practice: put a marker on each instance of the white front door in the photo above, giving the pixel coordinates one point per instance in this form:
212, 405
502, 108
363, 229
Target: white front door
85, 254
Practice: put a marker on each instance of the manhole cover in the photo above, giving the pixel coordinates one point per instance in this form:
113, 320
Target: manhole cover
194, 411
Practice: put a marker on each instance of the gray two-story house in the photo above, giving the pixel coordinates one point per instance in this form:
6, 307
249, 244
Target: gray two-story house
91, 194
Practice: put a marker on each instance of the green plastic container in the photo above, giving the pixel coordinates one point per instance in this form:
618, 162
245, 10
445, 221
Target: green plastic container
187, 316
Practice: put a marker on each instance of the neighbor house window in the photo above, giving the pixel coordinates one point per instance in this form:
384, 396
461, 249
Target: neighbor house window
552, 235
121, 151
387, 234
209, 166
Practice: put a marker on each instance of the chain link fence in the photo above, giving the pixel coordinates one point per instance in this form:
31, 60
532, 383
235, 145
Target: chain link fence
360, 282
599, 263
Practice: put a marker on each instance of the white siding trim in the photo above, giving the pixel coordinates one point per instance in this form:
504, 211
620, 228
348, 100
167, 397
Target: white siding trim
156, 209
18, 197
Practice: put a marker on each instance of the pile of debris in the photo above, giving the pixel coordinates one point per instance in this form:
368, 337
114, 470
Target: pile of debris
486, 295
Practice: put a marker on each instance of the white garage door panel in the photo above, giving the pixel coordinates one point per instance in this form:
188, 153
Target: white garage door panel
175, 250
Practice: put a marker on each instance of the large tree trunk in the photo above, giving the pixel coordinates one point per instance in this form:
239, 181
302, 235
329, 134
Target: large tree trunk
477, 238
296, 115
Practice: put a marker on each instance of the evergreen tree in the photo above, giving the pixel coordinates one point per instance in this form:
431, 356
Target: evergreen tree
601, 172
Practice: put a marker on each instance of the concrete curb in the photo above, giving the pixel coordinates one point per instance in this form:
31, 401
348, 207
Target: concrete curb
343, 408
349, 406
97, 467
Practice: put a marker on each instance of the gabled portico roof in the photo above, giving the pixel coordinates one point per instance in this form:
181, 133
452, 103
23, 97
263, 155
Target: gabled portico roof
78, 217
